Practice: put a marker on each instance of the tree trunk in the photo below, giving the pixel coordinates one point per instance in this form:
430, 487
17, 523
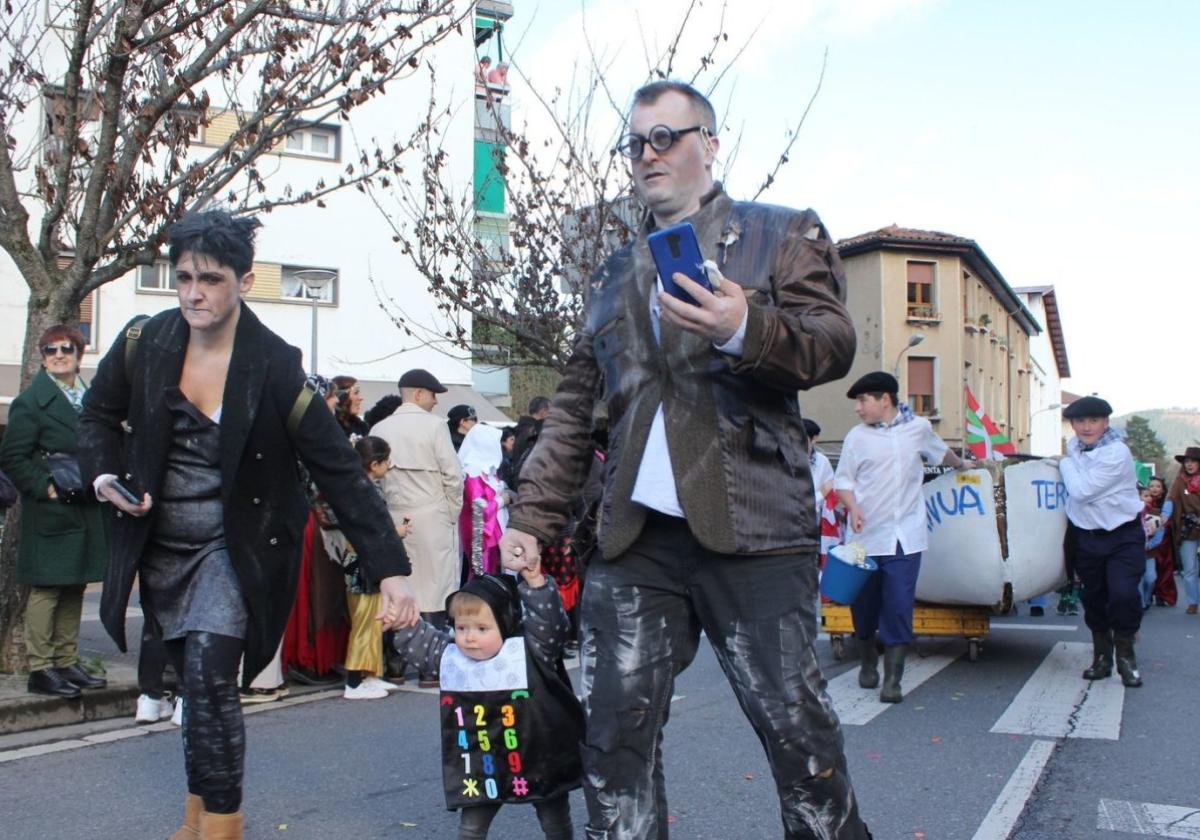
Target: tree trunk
52, 311
12, 598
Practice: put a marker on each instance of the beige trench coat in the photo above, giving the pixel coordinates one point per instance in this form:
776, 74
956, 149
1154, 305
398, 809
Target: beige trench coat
426, 484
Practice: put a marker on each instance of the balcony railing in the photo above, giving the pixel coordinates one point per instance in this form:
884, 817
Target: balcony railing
923, 315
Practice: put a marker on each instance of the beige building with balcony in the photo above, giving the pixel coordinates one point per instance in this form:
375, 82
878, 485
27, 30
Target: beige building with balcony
974, 331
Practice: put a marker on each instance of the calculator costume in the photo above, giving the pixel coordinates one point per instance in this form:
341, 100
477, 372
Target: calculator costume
511, 725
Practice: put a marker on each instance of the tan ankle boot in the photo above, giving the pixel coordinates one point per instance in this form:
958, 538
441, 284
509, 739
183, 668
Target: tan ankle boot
190, 830
220, 826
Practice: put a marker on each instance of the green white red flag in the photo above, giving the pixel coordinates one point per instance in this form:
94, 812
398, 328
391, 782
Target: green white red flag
984, 439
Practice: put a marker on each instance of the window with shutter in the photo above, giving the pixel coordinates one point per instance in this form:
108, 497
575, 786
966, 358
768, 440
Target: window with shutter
921, 386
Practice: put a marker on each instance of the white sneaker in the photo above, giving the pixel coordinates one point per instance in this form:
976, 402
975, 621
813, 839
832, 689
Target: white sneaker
177, 715
166, 708
378, 683
364, 691
149, 710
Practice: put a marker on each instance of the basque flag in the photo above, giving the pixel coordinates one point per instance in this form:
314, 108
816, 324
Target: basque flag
984, 439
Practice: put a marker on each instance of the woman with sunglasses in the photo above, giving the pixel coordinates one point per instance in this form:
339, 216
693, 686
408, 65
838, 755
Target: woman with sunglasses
63, 546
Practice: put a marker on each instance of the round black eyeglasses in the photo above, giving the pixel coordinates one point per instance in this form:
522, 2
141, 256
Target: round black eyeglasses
660, 139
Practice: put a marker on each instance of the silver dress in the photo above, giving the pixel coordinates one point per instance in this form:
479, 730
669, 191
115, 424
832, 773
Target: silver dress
187, 577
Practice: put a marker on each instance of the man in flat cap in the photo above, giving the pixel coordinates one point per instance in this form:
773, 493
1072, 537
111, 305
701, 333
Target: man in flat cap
425, 483
1104, 536
878, 480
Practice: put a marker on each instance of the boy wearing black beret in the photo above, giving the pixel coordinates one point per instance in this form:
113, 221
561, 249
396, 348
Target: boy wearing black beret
878, 480
1104, 536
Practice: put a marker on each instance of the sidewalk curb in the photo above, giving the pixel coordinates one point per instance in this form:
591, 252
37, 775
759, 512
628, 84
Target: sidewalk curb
35, 711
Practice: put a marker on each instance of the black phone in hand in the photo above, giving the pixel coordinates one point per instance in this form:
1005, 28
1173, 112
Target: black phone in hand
124, 492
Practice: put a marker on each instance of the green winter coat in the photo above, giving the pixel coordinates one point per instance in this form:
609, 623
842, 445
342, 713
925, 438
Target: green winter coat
61, 545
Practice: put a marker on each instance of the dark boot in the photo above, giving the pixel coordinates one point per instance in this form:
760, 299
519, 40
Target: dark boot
1126, 661
868, 657
893, 672
49, 681
1102, 657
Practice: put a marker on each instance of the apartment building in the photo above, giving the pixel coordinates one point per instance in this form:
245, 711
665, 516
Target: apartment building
933, 309
339, 260
1048, 368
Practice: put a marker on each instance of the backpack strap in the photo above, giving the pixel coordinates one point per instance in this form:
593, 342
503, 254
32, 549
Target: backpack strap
299, 407
132, 334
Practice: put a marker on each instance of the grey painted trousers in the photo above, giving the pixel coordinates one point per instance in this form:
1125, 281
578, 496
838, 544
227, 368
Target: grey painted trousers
642, 615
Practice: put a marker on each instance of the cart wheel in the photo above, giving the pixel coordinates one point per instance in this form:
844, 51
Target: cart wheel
973, 648
839, 647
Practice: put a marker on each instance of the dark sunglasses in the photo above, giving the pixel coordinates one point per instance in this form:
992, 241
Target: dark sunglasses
660, 139
67, 349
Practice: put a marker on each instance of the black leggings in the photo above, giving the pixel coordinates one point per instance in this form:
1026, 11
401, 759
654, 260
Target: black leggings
152, 659
554, 815
214, 738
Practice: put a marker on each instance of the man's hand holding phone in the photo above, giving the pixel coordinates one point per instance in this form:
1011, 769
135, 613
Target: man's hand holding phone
123, 499
717, 315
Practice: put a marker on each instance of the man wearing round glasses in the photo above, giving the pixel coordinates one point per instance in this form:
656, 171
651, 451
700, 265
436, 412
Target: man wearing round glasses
707, 522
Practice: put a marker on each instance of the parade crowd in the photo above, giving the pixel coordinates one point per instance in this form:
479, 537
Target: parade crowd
279, 533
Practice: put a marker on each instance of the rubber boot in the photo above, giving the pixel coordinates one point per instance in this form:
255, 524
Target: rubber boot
868, 657
1102, 657
190, 830
220, 826
1126, 661
893, 672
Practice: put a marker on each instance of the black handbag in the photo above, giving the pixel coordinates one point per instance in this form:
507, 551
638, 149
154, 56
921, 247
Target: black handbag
66, 477
8, 492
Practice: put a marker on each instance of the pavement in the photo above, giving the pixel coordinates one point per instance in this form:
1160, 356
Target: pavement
1013, 746
23, 712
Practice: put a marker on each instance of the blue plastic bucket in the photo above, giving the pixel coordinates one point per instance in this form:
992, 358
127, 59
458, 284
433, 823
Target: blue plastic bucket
842, 581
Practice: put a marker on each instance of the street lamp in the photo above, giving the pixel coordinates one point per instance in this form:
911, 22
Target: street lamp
913, 341
1047, 408
314, 281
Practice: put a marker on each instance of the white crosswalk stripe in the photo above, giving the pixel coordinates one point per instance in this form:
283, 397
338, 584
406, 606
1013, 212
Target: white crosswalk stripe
1148, 818
1056, 702
857, 706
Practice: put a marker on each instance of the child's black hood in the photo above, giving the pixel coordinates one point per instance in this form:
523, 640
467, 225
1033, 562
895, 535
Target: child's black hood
500, 593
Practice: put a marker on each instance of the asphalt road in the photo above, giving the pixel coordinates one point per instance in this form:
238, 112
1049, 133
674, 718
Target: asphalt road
1015, 745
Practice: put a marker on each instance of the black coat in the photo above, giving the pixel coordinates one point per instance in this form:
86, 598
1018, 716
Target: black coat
126, 430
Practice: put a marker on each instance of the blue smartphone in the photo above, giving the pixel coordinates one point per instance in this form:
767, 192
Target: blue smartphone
675, 249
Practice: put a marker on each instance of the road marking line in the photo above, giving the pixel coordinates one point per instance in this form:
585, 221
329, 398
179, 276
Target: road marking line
857, 706
1010, 804
41, 749
1148, 818
1056, 702
1046, 628
115, 735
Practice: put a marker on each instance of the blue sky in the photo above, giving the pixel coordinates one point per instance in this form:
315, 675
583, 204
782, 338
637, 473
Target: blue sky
1061, 136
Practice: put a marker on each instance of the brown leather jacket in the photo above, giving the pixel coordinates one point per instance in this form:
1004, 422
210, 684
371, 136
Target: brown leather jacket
734, 430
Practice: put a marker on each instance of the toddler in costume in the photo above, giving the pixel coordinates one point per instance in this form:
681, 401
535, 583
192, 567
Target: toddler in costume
511, 724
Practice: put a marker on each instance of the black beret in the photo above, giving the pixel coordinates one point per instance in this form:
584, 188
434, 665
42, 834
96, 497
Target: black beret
875, 382
1087, 407
421, 378
811, 428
